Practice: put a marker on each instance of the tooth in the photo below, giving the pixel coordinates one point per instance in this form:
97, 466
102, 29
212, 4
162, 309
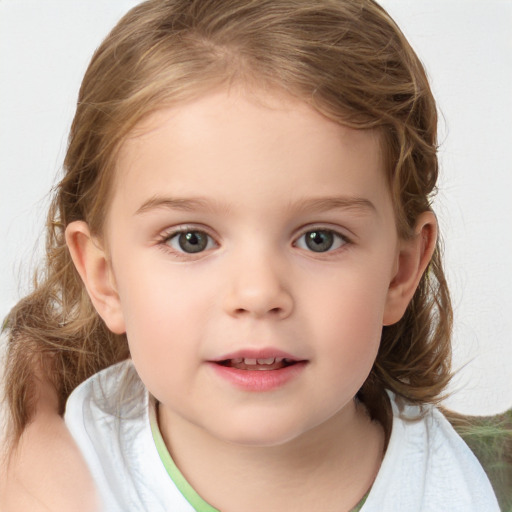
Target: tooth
250, 362
237, 360
269, 360
279, 359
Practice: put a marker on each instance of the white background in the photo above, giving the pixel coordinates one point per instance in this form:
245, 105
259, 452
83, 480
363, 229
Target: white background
466, 46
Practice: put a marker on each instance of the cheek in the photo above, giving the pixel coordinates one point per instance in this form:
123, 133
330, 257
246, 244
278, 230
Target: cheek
158, 308
154, 291
348, 316
352, 301
162, 344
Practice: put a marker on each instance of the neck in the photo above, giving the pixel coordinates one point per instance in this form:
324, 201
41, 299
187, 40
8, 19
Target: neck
333, 464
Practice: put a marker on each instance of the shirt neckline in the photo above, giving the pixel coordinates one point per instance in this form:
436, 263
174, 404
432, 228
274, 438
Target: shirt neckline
188, 492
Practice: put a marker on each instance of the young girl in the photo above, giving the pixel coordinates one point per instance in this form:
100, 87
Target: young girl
243, 263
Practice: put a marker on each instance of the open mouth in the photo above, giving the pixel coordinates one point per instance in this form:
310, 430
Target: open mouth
258, 370
260, 364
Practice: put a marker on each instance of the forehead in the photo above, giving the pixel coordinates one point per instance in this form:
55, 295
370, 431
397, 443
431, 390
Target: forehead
237, 144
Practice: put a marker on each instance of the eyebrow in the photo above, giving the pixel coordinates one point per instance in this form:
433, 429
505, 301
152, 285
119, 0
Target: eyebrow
356, 204
177, 203
321, 204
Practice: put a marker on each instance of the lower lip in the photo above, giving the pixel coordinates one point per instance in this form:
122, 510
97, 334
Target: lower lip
259, 380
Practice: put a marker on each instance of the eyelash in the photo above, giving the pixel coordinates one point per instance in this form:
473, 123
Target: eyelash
166, 239
338, 240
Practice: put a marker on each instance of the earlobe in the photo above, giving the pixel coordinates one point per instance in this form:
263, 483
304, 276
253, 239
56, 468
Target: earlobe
91, 262
413, 258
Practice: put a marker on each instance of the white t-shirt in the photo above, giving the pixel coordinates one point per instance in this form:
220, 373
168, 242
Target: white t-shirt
427, 467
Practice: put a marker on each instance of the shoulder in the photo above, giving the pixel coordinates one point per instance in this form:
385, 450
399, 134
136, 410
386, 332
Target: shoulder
96, 417
108, 417
428, 467
104, 406
111, 394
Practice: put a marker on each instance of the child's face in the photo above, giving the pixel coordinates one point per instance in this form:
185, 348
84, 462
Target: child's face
252, 229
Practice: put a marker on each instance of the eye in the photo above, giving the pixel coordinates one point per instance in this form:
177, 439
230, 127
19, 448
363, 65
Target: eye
190, 241
321, 240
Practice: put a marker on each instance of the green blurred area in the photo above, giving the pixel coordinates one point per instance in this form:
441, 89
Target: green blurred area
490, 439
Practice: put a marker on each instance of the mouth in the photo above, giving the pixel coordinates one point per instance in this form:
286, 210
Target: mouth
258, 370
257, 364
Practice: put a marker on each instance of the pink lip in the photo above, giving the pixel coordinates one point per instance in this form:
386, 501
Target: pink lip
258, 380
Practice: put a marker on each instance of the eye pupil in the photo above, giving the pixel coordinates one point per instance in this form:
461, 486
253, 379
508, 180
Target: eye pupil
193, 241
319, 241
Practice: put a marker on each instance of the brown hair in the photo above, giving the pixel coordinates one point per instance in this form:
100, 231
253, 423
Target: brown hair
346, 58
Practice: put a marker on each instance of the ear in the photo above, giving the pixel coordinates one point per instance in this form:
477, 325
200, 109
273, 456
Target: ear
414, 255
93, 265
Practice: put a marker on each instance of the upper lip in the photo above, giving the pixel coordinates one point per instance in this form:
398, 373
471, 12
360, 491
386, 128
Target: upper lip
265, 353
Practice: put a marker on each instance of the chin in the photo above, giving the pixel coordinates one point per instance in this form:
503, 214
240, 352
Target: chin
260, 434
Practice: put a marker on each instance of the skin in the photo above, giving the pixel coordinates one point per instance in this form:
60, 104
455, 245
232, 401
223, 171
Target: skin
256, 175
46, 472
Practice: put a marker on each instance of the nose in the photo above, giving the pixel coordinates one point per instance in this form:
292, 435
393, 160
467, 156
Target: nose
257, 288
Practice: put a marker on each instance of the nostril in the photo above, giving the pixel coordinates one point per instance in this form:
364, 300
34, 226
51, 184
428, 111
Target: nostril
272, 311
277, 304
